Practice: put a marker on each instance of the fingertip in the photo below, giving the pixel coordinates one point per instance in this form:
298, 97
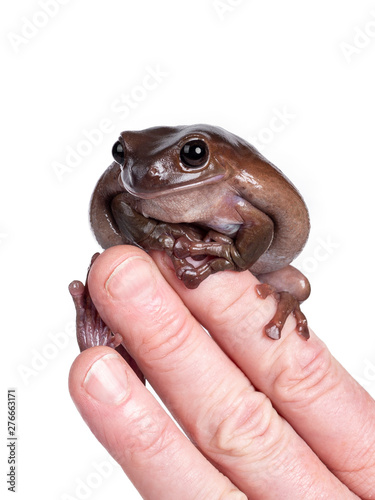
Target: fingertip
81, 367
121, 276
106, 263
165, 265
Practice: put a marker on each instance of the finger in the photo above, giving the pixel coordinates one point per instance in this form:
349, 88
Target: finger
334, 415
127, 420
234, 425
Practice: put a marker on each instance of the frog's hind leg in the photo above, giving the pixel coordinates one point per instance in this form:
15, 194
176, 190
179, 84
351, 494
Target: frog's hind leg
91, 329
289, 287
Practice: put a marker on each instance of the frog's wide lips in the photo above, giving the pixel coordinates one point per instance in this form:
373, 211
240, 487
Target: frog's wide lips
172, 188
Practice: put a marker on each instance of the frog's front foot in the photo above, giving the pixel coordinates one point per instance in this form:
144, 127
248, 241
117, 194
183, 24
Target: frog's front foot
286, 304
192, 275
91, 329
214, 250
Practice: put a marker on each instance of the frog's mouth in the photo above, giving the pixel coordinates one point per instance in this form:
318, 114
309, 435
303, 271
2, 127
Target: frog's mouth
157, 179
169, 188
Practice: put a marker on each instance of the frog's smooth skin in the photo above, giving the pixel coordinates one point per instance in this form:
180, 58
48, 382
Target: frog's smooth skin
213, 203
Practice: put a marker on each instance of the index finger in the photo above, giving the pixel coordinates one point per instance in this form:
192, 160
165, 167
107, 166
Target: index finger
306, 384
233, 425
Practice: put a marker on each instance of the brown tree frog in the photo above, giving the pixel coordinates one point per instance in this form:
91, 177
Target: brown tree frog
212, 202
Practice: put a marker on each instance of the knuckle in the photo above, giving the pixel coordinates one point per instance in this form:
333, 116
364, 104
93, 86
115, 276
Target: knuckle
170, 337
150, 435
302, 381
246, 313
243, 427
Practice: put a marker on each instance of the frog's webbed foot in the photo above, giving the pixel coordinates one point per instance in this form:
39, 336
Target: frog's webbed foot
91, 329
286, 304
289, 287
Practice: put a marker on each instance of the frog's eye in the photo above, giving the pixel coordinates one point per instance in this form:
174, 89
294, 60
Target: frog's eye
194, 153
118, 152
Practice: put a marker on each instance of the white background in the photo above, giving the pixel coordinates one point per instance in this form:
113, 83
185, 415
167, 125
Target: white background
238, 67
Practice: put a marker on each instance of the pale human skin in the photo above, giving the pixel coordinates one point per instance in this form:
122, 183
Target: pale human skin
323, 445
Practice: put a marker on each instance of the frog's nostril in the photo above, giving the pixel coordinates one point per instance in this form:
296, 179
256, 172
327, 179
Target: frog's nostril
156, 170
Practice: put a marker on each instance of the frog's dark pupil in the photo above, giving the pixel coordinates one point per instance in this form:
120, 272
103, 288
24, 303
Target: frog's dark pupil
118, 152
194, 153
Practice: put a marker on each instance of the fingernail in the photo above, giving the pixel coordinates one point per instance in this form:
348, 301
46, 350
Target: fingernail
130, 278
107, 380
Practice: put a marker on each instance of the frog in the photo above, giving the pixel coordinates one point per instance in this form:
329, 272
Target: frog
212, 202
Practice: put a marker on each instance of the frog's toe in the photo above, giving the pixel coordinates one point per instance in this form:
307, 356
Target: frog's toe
273, 331
302, 326
181, 248
192, 278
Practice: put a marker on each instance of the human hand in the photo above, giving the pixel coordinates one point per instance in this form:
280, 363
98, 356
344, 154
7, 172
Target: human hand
266, 419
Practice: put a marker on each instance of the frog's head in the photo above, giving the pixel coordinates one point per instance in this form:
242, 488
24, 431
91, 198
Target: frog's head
161, 159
